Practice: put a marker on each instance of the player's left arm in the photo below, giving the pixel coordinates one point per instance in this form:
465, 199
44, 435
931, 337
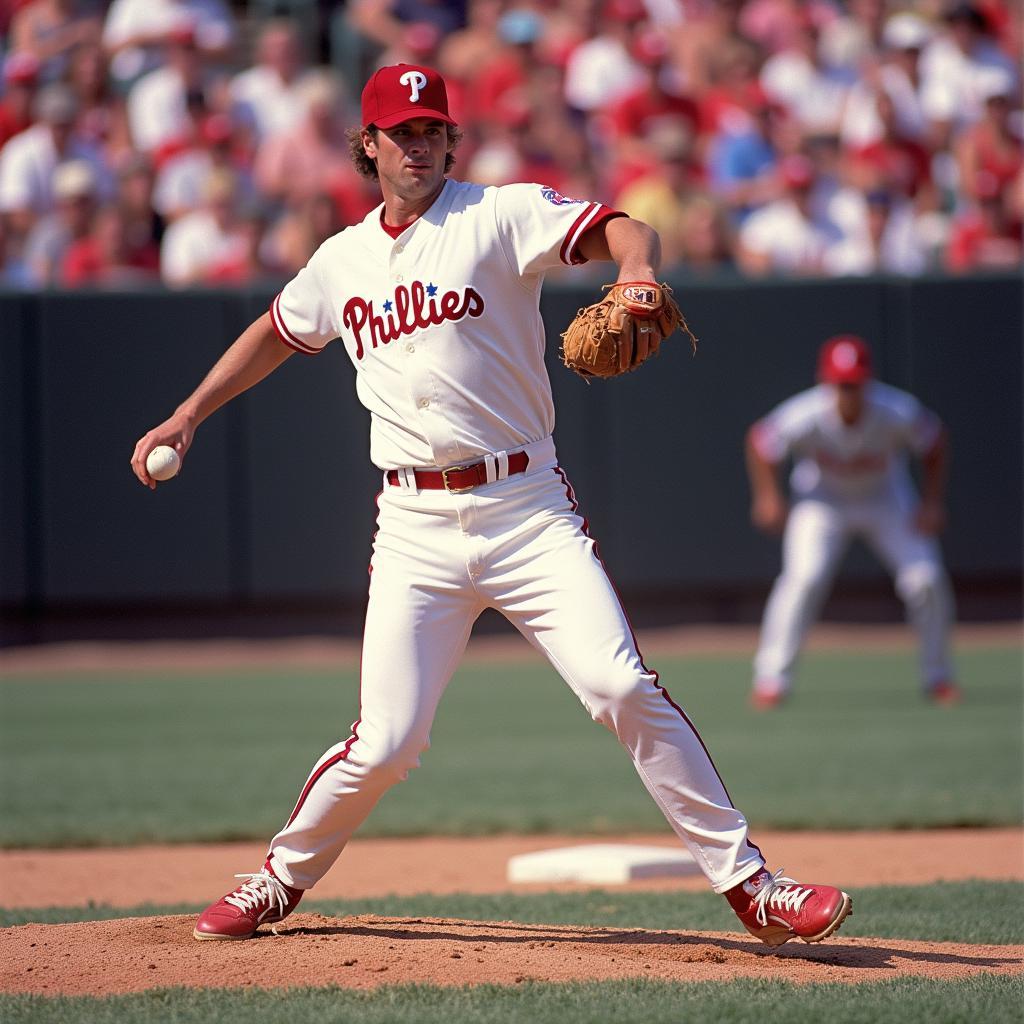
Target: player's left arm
634, 246
931, 513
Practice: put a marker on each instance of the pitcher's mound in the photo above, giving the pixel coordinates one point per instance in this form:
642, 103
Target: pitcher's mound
132, 954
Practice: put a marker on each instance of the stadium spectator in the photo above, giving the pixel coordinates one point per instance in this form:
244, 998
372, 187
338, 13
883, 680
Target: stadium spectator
703, 237
74, 193
734, 93
28, 160
988, 152
101, 119
207, 238
881, 236
136, 32
162, 106
242, 263
798, 79
893, 158
497, 91
896, 73
743, 160
775, 25
51, 31
655, 190
786, 236
384, 21
269, 95
659, 99
465, 51
988, 236
313, 157
907, 113
13, 271
181, 177
298, 232
105, 257
21, 77
955, 66
602, 69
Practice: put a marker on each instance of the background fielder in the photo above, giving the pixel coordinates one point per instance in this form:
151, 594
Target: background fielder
435, 297
849, 438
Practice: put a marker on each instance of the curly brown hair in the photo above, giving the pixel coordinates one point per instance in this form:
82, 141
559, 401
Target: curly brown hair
368, 168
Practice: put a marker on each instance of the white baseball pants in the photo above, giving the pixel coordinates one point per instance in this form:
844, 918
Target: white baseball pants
816, 537
517, 545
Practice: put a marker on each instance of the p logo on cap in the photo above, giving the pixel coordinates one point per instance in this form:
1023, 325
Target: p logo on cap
416, 80
402, 91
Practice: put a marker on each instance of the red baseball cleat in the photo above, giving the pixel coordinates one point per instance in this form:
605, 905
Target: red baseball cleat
767, 694
944, 692
776, 909
765, 701
263, 899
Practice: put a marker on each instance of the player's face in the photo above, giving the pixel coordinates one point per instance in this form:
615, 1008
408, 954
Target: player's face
410, 157
850, 398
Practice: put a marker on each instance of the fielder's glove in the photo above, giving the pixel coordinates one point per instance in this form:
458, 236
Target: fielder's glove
626, 327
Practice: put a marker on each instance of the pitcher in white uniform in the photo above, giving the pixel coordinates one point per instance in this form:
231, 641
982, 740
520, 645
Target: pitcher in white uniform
849, 438
435, 298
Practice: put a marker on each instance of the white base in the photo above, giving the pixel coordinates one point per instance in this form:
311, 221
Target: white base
601, 864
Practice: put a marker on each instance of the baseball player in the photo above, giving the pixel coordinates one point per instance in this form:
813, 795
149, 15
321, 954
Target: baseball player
849, 438
434, 297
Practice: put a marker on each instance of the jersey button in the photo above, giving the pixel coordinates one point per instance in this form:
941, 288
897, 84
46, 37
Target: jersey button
399, 278
410, 348
424, 403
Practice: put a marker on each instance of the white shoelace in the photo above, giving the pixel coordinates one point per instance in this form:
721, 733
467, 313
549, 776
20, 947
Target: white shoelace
262, 886
780, 893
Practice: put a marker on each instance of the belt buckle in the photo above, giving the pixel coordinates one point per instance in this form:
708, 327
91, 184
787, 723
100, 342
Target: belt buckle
448, 487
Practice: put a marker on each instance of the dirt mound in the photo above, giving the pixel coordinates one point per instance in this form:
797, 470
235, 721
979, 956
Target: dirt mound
106, 957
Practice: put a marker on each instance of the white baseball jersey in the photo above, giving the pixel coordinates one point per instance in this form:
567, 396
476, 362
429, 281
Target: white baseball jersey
442, 323
837, 461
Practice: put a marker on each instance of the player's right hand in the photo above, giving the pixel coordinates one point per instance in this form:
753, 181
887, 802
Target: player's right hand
177, 432
769, 512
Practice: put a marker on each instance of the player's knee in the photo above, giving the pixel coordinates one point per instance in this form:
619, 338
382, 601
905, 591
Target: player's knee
803, 583
921, 582
389, 759
612, 691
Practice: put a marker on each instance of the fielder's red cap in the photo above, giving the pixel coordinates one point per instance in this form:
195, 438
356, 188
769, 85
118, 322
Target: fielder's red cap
402, 91
844, 359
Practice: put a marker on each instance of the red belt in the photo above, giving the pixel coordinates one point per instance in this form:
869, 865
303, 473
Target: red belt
458, 479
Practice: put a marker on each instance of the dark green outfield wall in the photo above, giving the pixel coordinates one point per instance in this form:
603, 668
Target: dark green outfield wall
276, 502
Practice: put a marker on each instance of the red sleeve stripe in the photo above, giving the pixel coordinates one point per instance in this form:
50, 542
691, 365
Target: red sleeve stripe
593, 214
284, 334
761, 436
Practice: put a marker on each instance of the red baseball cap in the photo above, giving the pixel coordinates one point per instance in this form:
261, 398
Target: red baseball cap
844, 359
402, 91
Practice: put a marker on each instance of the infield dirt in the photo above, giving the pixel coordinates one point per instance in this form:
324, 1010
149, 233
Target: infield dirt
133, 954
101, 958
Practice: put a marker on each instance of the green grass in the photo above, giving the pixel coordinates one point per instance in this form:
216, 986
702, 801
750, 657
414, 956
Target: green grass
976, 912
981, 999
175, 757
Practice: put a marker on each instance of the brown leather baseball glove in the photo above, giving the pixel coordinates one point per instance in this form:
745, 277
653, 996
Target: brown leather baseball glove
626, 327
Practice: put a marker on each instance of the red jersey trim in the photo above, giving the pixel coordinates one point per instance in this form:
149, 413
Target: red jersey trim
763, 439
284, 334
590, 217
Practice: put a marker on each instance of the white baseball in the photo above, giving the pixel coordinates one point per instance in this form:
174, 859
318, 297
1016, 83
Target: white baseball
162, 462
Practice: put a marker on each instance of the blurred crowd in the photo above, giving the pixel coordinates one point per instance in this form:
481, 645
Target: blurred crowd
203, 143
